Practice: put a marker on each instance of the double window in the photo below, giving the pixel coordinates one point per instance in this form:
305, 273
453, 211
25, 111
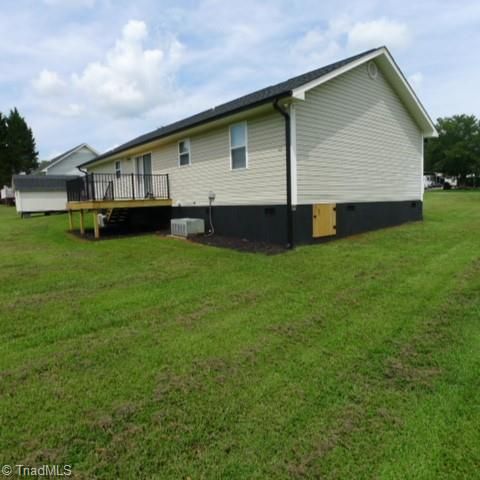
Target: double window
184, 153
238, 146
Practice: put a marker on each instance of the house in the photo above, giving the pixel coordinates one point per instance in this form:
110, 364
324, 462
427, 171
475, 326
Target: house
330, 153
7, 196
67, 162
46, 191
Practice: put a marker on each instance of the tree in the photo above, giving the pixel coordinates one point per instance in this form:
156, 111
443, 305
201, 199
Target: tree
5, 172
456, 151
21, 150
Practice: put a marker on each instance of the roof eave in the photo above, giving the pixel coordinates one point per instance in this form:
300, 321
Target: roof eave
113, 153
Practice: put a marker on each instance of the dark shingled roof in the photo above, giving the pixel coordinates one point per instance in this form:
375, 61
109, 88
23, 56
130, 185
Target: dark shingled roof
43, 183
283, 89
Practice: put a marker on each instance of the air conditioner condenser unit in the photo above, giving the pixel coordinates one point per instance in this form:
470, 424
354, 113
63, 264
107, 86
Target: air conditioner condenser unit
185, 227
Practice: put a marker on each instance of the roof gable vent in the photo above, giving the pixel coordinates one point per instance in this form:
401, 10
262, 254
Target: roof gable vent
372, 70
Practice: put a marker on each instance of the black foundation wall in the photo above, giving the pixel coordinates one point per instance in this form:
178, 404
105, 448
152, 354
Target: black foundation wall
254, 222
354, 218
267, 223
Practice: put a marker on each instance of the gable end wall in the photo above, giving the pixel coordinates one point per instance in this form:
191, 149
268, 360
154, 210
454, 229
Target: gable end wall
356, 142
68, 166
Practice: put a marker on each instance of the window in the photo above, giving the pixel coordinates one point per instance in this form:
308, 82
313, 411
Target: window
118, 168
184, 153
238, 146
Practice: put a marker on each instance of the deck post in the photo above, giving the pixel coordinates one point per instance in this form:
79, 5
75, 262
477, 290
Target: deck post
82, 223
96, 226
70, 221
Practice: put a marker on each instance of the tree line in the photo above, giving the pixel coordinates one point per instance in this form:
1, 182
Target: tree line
456, 151
18, 151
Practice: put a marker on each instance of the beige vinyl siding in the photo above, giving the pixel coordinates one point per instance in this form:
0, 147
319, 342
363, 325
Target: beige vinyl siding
263, 182
127, 164
356, 142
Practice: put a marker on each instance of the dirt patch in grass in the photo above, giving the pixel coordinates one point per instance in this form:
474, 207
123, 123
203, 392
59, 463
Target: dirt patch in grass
298, 330
211, 306
348, 423
412, 367
239, 244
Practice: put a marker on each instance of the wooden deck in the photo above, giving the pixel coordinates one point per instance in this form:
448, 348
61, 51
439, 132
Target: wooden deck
107, 193
96, 206
109, 204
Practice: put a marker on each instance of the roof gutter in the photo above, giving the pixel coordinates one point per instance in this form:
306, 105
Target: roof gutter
288, 163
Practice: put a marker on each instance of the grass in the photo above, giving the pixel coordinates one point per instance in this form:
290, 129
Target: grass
147, 357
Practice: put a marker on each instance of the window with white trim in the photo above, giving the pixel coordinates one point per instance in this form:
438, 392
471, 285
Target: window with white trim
184, 152
238, 146
118, 168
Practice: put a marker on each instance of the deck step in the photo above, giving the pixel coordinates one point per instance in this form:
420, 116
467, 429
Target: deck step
118, 216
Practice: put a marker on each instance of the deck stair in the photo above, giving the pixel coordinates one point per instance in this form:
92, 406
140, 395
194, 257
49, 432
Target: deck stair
117, 216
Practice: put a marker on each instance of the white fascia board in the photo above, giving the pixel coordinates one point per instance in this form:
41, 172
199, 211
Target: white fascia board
428, 128
299, 92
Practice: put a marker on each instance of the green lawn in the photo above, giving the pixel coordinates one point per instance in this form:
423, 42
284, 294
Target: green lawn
147, 357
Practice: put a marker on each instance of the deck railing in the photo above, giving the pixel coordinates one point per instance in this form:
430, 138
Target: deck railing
111, 186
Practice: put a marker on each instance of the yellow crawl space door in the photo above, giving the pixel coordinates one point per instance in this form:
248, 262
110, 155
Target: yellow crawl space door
324, 219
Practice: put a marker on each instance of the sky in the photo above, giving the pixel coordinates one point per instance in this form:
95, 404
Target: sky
106, 71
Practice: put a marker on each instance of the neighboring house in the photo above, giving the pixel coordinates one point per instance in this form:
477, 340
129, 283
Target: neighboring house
47, 193
67, 162
329, 153
7, 195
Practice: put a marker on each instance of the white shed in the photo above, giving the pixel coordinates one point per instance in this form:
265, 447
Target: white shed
40, 194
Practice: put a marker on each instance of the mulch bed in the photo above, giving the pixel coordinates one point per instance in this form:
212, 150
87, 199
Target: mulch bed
239, 244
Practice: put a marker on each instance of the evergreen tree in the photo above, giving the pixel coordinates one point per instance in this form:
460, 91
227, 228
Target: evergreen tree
5, 172
21, 151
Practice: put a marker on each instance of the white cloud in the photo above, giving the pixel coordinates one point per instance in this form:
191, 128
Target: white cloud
375, 33
49, 83
316, 48
73, 110
131, 79
230, 49
416, 79
70, 3
342, 37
